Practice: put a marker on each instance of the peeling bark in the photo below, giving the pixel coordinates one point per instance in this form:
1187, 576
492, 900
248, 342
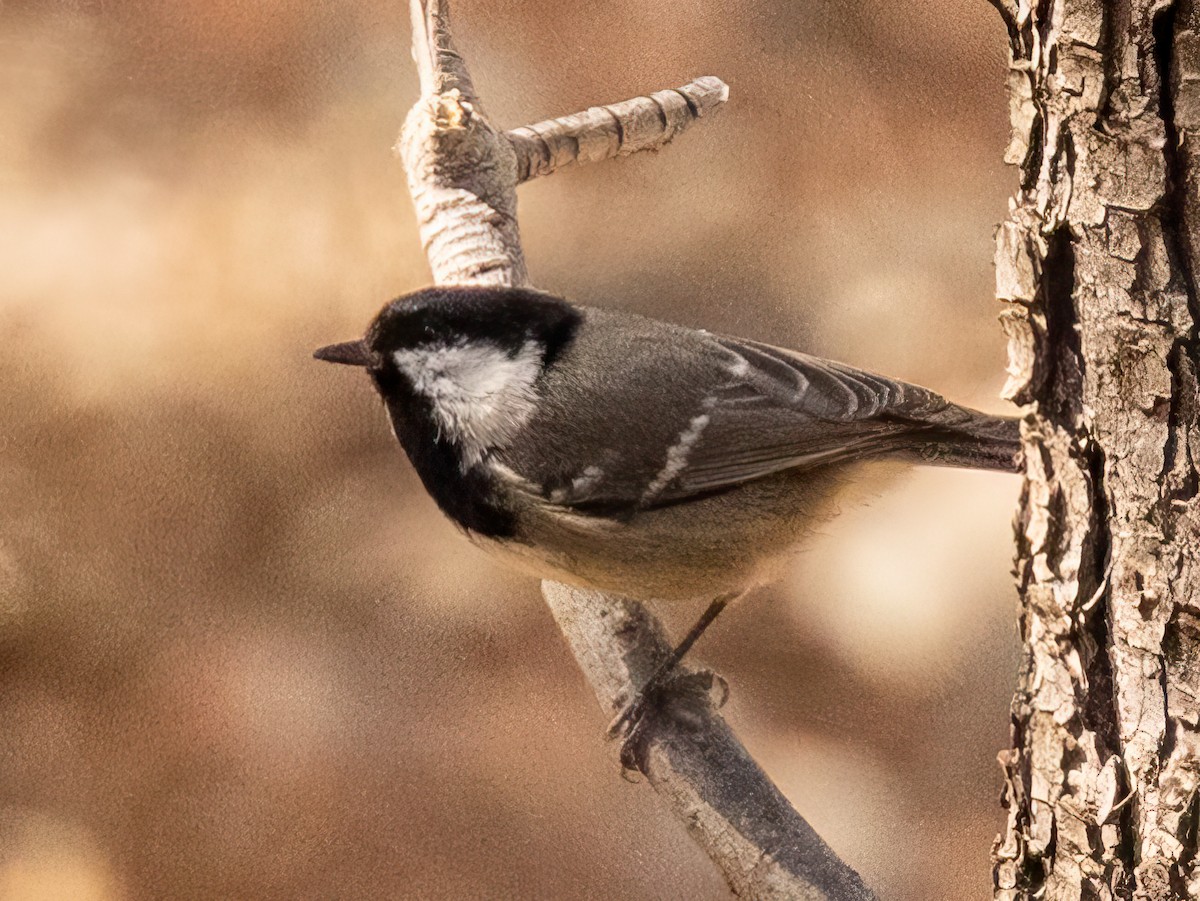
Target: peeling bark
1097, 268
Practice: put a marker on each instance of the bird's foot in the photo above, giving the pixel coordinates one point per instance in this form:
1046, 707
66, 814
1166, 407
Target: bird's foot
677, 696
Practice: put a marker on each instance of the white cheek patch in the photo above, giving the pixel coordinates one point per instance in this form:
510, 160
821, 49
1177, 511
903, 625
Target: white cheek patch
480, 394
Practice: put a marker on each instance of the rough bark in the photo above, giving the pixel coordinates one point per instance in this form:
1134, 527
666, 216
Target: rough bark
463, 175
1097, 266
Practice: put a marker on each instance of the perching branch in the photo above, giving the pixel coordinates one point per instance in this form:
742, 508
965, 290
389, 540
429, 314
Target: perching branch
695, 762
463, 175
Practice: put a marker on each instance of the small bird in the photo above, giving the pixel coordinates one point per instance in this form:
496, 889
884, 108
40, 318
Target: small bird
612, 451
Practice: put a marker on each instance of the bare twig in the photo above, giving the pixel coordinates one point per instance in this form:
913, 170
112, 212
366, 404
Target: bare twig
439, 66
602, 132
463, 176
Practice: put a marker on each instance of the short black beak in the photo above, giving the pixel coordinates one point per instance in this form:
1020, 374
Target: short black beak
348, 353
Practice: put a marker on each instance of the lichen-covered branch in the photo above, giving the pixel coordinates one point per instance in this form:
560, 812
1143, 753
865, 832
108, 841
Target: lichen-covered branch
619, 129
1096, 264
463, 175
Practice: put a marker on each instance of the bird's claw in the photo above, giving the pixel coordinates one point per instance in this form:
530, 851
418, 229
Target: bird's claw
629, 716
678, 694
629, 724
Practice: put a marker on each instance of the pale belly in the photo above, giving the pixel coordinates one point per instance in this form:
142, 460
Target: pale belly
700, 549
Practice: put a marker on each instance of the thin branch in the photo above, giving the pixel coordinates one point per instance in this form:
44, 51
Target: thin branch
619, 129
463, 175
439, 66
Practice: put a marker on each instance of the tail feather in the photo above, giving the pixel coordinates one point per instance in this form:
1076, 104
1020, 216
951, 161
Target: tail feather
979, 441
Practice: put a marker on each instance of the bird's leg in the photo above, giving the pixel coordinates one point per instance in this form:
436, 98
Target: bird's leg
630, 718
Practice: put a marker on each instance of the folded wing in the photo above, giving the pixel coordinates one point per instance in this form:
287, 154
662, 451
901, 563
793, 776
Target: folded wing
784, 410
650, 414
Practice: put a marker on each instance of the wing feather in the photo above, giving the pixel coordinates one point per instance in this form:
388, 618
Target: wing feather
721, 412
783, 410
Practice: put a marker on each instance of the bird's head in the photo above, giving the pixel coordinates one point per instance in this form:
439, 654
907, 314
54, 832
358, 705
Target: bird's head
465, 358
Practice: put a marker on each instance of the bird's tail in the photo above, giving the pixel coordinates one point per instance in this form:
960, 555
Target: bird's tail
976, 441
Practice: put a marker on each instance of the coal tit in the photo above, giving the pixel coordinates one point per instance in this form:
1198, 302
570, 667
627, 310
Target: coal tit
608, 450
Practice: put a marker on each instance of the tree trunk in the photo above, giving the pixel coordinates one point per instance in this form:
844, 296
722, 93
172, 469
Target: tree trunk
1097, 266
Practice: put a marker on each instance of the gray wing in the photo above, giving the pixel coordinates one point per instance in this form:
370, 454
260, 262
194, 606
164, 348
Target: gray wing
786, 410
638, 414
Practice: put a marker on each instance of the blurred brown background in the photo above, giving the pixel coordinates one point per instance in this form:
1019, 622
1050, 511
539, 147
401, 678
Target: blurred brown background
241, 656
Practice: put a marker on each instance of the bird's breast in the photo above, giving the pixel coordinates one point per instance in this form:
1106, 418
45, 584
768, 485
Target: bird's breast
469, 495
